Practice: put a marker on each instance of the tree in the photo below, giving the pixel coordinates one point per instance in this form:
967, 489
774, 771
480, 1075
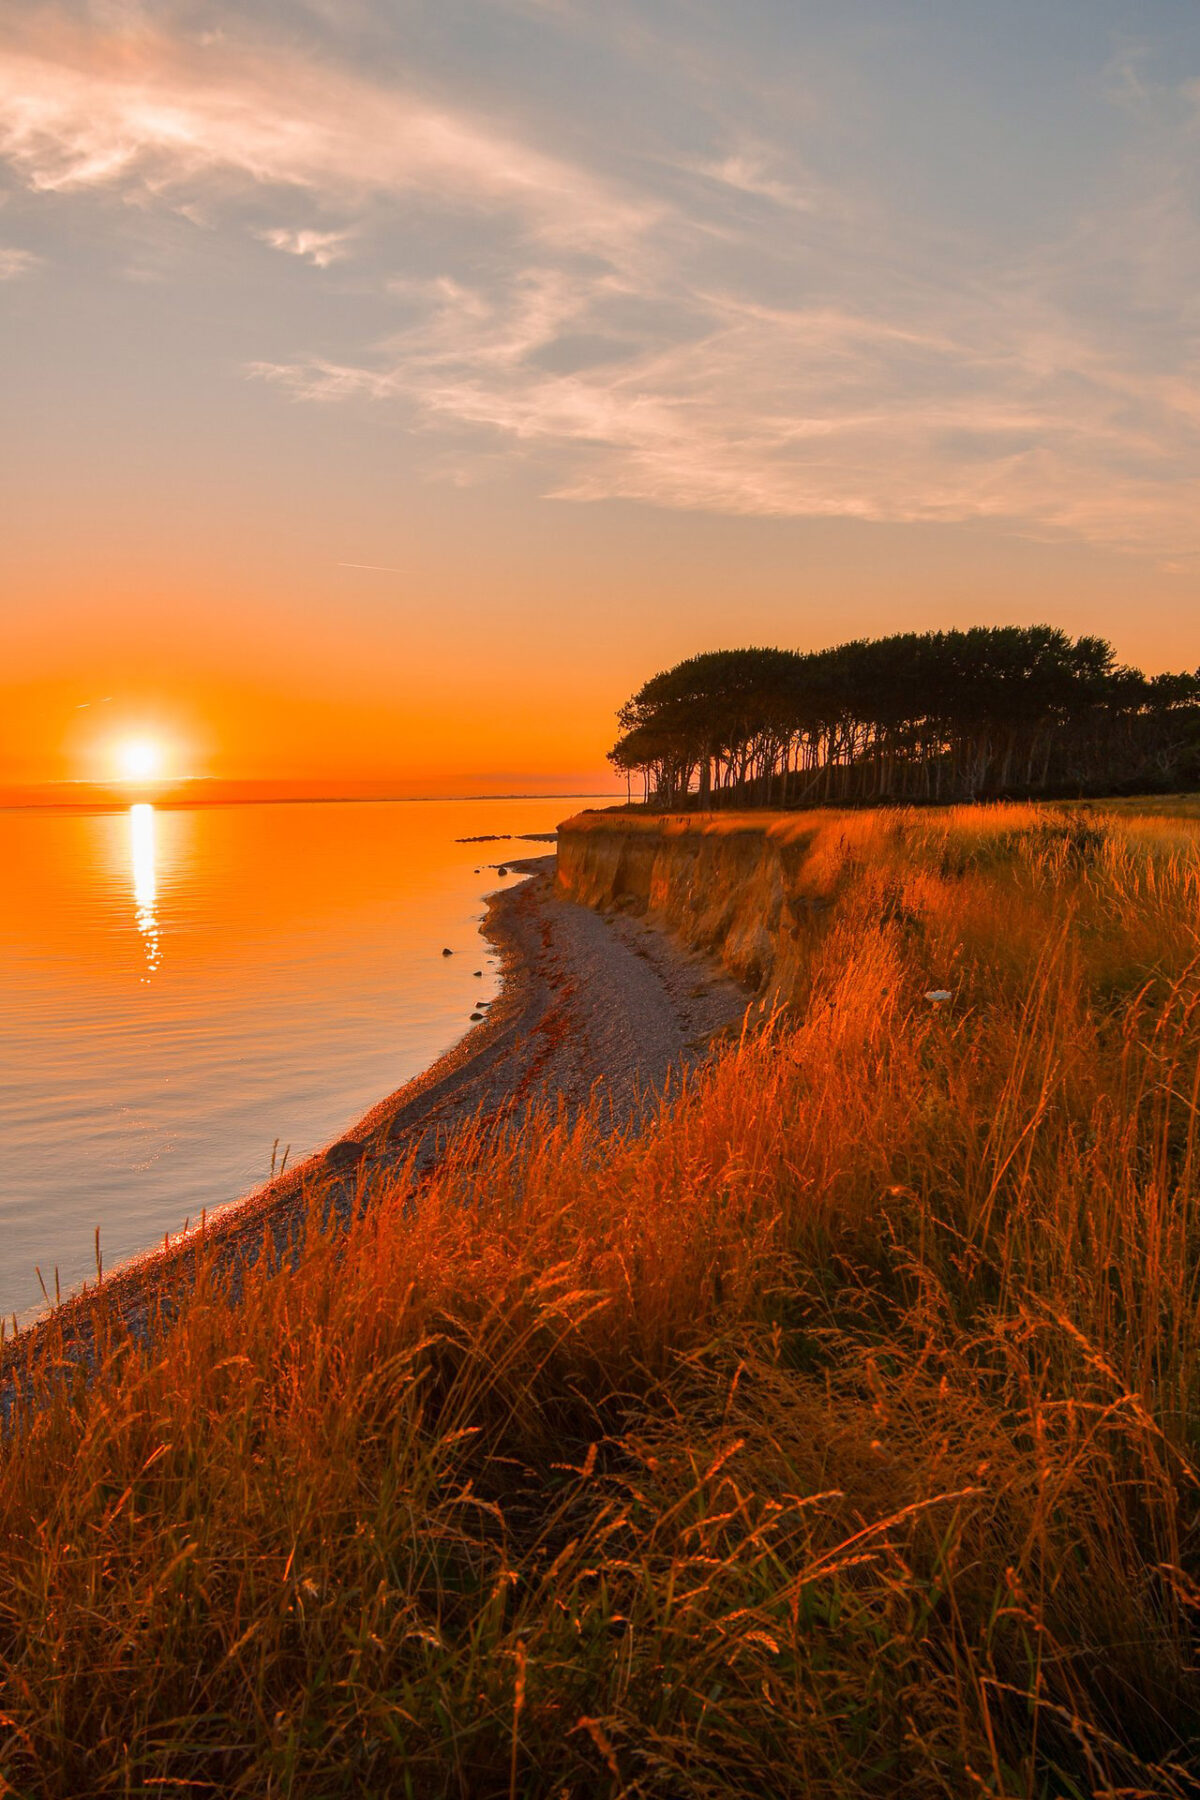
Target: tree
914, 716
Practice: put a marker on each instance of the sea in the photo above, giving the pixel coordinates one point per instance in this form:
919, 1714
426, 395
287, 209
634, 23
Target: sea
190, 997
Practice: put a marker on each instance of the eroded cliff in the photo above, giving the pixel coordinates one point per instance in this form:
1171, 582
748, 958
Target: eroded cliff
750, 889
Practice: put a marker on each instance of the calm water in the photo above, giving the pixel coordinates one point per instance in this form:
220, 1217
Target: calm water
180, 989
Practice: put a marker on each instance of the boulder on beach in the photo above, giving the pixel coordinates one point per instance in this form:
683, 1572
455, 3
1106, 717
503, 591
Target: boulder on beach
447, 953
344, 1154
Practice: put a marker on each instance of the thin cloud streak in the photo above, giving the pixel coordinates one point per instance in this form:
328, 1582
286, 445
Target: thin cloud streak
321, 248
14, 263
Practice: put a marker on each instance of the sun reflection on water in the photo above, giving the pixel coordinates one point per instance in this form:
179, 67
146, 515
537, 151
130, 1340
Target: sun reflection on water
145, 882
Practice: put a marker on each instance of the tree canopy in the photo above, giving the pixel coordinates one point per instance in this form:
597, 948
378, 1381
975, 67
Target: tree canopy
942, 715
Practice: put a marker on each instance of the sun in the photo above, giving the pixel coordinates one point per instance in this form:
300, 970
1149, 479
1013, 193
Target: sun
139, 759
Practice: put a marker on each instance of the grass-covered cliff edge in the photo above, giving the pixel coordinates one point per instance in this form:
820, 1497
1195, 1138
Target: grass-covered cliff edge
836, 1436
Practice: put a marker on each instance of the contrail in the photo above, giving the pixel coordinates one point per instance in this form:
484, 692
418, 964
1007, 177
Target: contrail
376, 568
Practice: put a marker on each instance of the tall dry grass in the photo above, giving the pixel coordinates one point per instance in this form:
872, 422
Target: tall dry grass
835, 1437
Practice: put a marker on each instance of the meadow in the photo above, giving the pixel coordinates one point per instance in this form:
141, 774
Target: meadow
836, 1436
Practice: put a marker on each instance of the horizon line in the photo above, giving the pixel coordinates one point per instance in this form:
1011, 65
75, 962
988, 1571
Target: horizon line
104, 799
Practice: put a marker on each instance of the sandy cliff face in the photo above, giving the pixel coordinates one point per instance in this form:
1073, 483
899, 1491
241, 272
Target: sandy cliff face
750, 889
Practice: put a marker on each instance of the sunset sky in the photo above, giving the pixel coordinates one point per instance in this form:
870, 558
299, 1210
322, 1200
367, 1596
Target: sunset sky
390, 388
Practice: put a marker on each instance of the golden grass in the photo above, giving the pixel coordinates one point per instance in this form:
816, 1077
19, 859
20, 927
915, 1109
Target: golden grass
835, 1437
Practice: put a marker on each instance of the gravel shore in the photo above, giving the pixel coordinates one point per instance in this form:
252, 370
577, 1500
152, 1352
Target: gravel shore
590, 1001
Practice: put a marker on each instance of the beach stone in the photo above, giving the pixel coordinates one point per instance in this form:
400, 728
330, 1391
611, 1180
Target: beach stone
503, 869
344, 1154
447, 953
476, 1016
478, 974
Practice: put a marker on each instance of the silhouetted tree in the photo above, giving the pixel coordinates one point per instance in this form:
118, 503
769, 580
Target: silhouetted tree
945, 715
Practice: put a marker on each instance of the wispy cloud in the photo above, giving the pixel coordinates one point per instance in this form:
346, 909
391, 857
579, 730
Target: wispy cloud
139, 113
750, 170
14, 262
950, 401
321, 248
723, 329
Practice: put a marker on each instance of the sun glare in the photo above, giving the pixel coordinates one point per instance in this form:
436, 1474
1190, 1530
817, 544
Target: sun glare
139, 759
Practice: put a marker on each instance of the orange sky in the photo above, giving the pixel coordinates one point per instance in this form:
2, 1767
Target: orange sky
495, 677
374, 410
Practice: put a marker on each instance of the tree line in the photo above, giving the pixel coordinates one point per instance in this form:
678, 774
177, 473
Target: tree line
919, 716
